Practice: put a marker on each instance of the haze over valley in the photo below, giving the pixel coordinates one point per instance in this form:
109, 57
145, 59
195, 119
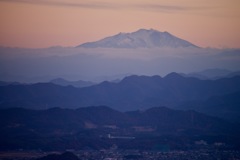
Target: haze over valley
144, 52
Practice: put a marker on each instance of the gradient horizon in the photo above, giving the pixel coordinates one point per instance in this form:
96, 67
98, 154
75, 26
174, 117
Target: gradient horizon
45, 23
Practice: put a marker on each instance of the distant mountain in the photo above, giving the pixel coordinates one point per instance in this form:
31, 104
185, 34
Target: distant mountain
133, 92
101, 127
140, 39
79, 84
210, 74
3, 83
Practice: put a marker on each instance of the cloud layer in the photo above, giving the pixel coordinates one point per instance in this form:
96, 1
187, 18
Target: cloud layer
109, 5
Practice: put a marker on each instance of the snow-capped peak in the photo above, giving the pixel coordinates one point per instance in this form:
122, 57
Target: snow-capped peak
141, 38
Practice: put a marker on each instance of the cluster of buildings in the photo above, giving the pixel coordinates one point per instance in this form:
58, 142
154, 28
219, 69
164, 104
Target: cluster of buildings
117, 154
155, 155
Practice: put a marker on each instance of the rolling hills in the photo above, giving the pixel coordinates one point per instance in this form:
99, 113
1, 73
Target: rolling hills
101, 127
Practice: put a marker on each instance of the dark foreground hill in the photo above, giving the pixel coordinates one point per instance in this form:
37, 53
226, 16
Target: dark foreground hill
102, 127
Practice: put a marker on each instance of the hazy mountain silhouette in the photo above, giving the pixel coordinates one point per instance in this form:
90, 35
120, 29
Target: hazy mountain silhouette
211, 74
142, 38
4, 83
79, 84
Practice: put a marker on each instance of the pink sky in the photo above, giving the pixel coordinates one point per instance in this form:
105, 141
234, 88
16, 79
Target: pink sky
45, 23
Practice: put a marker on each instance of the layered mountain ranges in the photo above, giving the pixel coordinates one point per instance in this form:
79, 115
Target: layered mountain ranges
131, 93
145, 112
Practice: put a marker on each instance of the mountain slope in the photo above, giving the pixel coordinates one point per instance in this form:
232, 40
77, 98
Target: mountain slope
224, 106
140, 39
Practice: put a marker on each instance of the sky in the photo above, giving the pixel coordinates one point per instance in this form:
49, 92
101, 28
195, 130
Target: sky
45, 23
